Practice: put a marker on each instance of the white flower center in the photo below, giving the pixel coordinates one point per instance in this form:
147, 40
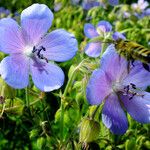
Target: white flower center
28, 51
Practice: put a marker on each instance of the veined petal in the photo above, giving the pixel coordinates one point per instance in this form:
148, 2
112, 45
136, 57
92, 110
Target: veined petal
35, 21
11, 38
138, 107
93, 49
14, 70
90, 31
113, 64
104, 26
60, 45
113, 115
138, 76
98, 87
46, 76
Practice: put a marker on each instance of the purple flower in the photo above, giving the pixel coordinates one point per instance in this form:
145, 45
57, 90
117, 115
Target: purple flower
4, 12
121, 89
93, 49
88, 4
113, 2
30, 49
118, 35
146, 12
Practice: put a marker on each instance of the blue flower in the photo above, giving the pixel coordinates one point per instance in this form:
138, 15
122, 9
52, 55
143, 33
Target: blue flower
88, 4
120, 88
30, 48
93, 49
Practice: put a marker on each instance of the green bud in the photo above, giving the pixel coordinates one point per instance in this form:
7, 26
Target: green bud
41, 142
111, 16
6, 91
147, 144
130, 144
125, 8
89, 130
34, 133
118, 26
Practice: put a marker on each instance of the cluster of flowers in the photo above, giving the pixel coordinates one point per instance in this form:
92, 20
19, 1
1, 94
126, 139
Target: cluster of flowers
140, 8
30, 49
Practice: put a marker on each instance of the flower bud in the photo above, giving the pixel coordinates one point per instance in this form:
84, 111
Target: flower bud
6, 91
89, 130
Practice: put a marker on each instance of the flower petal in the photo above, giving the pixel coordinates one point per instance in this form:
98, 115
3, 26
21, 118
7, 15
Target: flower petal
138, 76
114, 65
93, 49
35, 21
118, 35
113, 2
90, 31
11, 39
88, 5
60, 45
104, 26
98, 87
138, 107
113, 115
46, 76
15, 71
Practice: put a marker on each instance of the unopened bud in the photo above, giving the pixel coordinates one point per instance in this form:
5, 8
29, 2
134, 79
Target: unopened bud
6, 92
89, 130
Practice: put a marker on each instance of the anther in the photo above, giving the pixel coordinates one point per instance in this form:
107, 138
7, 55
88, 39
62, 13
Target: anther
133, 85
39, 52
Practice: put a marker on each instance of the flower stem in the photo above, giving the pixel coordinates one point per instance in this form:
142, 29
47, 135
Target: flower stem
104, 44
3, 108
27, 97
63, 97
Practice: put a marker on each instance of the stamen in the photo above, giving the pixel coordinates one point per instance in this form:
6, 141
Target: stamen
131, 91
40, 56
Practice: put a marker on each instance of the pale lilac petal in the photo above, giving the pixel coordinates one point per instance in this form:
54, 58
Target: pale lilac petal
93, 49
35, 21
14, 70
98, 88
46, 76
113, 2
114, 65
117, 36
11, 39
138, 107
90, 31
104, 26
134, 6
138, 76
88, 5
60, 45
143, 4
113, 115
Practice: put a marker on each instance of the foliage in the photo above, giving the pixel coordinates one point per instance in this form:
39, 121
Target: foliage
32, 119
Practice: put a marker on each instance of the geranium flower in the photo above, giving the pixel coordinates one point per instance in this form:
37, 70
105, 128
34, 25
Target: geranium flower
93, 49
30, 49
120, 87
140, 5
